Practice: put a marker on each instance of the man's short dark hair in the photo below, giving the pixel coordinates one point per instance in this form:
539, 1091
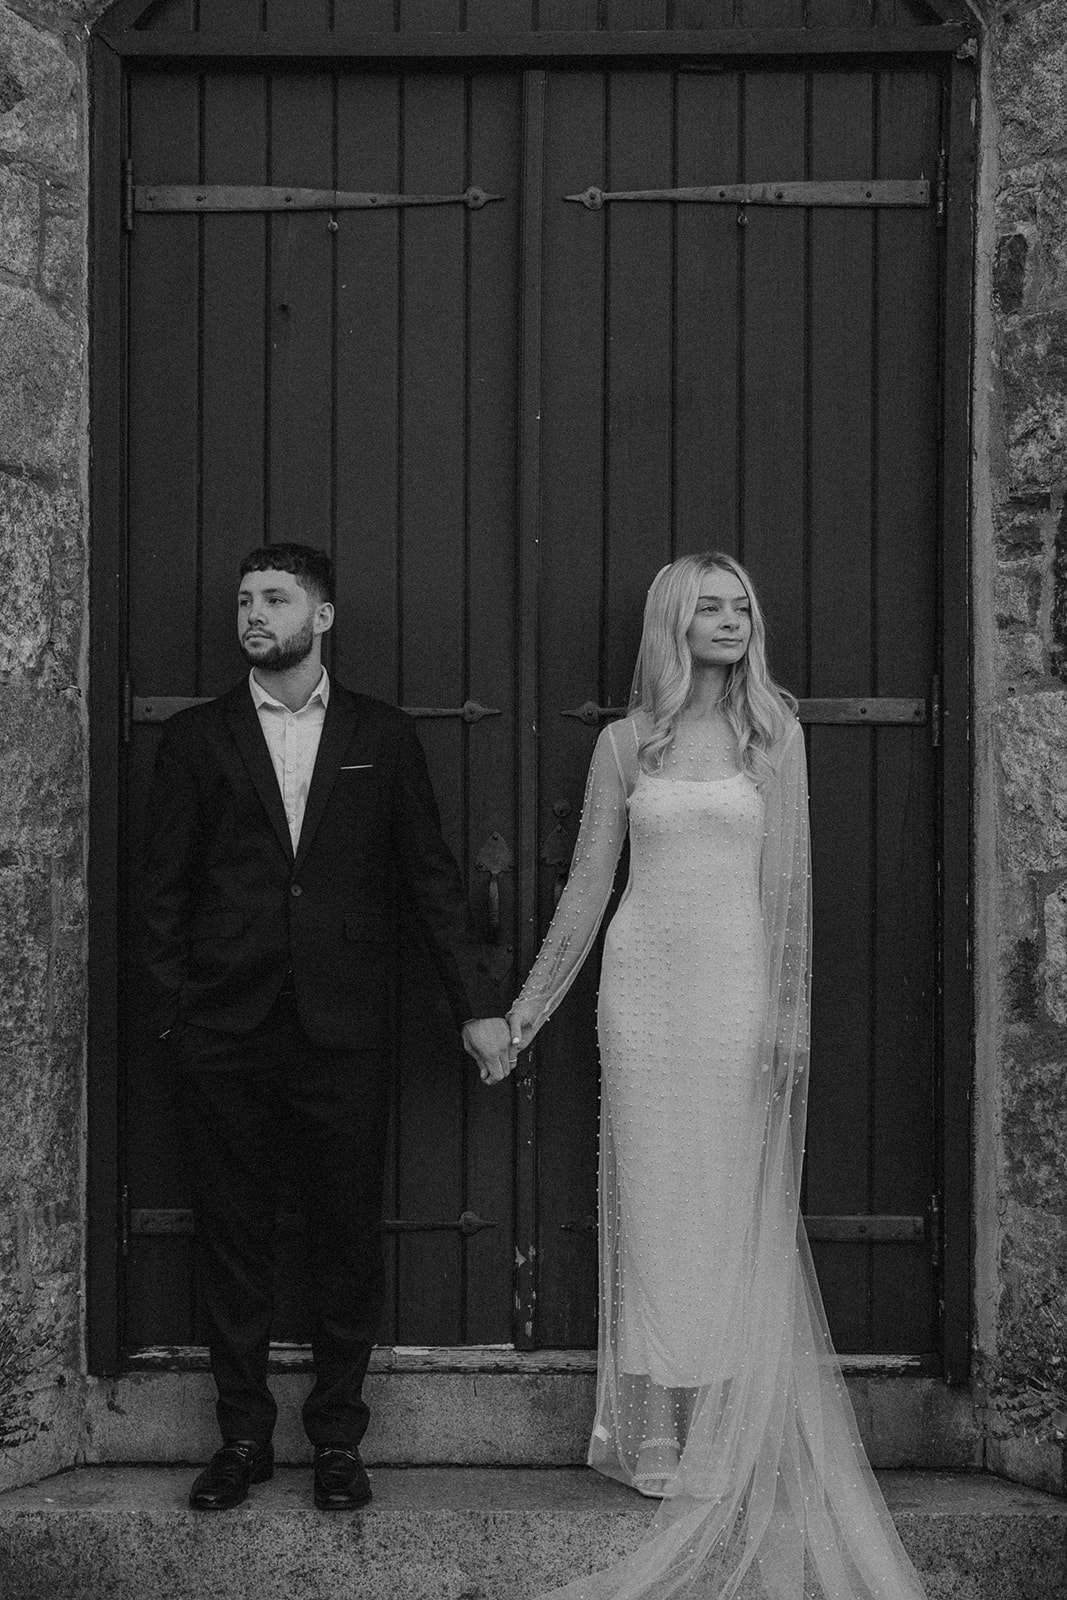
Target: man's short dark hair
311, 568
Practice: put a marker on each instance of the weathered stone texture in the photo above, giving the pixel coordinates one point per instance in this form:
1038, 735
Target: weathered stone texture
39, 95
41, 564
40, 384
63, 266
41, 756
1032, 740
1029, 73
20, 220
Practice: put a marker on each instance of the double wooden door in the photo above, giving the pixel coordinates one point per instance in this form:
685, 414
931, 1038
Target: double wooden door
503, 371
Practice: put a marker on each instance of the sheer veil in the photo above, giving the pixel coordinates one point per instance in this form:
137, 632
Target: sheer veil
773, 1490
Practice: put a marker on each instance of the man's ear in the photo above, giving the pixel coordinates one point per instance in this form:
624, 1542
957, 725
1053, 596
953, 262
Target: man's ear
323, 619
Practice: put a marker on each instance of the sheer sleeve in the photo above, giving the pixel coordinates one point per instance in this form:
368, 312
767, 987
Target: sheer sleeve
578, 916
785, 891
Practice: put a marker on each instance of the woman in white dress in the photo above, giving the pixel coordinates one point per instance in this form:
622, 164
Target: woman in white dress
717, 1391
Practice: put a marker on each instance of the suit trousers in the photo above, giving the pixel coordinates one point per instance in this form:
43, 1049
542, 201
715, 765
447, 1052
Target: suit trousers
254, 1107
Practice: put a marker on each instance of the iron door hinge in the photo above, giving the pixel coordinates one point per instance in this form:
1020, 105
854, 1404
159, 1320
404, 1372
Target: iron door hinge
127, 196
941, 189
935, 710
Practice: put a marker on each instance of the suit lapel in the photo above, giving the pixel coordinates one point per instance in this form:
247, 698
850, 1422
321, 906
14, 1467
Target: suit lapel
248, 736
339, 725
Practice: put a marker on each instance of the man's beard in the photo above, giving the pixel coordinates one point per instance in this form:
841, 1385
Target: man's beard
283, 657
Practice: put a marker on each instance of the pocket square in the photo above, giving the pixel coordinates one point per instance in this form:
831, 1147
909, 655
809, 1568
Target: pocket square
360, 766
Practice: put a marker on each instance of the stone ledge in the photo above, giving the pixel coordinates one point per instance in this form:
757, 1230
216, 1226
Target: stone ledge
491, 1419
453, 1534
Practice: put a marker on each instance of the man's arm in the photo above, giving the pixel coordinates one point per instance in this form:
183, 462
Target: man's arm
172, 843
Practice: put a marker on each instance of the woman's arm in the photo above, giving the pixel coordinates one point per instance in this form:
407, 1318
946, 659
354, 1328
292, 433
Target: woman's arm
578, 916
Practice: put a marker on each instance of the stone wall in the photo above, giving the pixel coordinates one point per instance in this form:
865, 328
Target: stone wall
1020, 560
43, 456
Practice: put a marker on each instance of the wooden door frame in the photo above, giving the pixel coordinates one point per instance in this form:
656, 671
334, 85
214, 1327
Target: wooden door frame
112, 49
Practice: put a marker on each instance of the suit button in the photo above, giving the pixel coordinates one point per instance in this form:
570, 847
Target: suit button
295, 890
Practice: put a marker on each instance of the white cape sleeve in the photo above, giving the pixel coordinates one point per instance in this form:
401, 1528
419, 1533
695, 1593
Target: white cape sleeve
573, 929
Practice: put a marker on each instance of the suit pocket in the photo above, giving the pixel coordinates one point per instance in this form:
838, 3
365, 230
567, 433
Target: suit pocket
361, 926
212, 925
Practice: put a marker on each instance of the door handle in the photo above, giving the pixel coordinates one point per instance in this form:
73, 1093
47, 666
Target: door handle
494, 858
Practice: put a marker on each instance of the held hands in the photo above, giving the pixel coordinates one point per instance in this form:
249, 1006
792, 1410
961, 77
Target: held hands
522, 1021
488, 1041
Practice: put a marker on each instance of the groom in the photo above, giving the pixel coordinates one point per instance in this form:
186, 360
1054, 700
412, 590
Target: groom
283, 820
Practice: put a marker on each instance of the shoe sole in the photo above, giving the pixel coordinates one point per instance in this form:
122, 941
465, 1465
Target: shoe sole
260, 1476
353, 1505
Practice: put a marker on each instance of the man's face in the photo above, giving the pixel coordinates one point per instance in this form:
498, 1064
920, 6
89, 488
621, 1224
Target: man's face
278, 620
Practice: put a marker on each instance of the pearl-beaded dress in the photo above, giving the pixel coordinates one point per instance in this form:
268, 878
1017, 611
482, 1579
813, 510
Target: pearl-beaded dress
717, 1386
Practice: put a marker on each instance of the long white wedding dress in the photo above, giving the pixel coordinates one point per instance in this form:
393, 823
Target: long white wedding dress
717, 1384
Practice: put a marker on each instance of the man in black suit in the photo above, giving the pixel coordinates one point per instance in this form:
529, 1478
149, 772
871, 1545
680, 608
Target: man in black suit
283, 820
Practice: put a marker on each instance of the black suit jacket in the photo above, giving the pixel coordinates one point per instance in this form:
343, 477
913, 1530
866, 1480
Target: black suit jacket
229, 911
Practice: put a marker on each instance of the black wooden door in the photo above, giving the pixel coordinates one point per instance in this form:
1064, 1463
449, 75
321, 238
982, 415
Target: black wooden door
757, 377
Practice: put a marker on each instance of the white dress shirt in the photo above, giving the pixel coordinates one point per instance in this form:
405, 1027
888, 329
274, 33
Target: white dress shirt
293, 741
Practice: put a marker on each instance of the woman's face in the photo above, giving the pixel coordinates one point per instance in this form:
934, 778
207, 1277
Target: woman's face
722, 624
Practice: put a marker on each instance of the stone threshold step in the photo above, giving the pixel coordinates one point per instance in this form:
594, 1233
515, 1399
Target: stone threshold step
452, 1534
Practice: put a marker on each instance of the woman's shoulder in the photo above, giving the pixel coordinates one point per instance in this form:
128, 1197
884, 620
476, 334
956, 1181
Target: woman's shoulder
625, 735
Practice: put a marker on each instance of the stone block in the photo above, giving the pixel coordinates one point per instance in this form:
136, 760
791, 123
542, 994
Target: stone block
1055, 973
20, 217
41, 379
41, 769
1021, 527
40, 1142
1020, 659
39, 96
63, 260
1034, 1115
25, 941
1028, 74
1030, 264
42, 571
1032, 736
1033, 362
1017, 592
1037, 1463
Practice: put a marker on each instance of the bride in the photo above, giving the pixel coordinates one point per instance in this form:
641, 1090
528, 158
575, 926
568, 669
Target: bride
718, 1391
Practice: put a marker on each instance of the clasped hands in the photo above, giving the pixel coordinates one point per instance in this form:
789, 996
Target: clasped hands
495, 1042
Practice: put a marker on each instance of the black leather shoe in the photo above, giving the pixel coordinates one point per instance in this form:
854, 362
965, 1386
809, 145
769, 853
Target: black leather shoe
341, 1482
224, 1481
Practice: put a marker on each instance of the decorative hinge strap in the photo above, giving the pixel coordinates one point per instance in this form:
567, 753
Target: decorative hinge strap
861, 192
203, 197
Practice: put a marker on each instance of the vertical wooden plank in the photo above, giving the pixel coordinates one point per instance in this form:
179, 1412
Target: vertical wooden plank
706, 352
840, 13
164, 464
366, 646
569, 659
492, 334
704, 14
364, 16
906, 542
107, 649
164, 390
622, 14
567, 15
296, 14
640, 317
500, 16
957, 1019
300, 414
234, 262
433, 641
839, 490
214, 16
771, 14
772, 437
430, 16
528, 635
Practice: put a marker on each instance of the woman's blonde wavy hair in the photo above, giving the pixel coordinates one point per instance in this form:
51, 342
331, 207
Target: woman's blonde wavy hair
757, 709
